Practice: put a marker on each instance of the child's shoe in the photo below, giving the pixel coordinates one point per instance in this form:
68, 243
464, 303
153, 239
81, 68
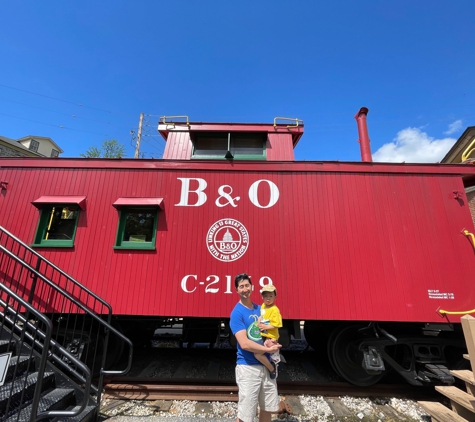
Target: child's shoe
273, 374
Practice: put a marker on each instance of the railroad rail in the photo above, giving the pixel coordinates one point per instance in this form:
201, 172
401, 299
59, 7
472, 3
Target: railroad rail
134, 388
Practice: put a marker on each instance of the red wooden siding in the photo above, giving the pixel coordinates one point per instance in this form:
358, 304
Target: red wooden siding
339, 244
178, 146
279, 147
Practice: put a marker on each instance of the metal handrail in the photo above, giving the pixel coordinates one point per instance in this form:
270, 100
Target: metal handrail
470, 236
78, 304
163, 120
45, 347
442, 312
468, 151
82, 306
53, 343
75, 282
297, 121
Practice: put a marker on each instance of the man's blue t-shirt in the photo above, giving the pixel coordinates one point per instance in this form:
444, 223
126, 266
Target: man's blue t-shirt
243, 318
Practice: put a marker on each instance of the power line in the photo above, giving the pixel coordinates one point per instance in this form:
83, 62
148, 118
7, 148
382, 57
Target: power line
346, 113
59, 99
56, 126
64, 114
154, 146
146, 128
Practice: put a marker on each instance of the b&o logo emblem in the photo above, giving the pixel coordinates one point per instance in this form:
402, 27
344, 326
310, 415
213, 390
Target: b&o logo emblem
227, 240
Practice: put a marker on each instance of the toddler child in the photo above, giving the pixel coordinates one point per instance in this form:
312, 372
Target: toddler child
269, 323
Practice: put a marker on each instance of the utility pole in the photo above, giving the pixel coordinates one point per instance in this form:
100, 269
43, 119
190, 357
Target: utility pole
139, 137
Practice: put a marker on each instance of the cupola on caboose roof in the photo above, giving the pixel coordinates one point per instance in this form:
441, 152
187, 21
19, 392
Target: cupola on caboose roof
230, 141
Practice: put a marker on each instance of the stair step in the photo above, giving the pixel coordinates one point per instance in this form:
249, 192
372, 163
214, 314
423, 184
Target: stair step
467, 376
86, 415
439, 412
13, 390
19, 365
59, 398
462, 402
464, 375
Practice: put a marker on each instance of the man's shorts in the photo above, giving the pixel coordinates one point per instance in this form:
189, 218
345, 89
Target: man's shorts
255, 386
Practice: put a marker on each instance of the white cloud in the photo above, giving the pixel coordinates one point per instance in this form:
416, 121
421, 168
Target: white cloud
454, 127
414, 146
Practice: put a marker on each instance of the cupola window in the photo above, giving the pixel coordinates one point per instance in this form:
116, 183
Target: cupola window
231, 146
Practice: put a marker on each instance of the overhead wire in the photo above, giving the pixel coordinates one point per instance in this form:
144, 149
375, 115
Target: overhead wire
64, 114
62, 100
61, 126
146, 133
56, 126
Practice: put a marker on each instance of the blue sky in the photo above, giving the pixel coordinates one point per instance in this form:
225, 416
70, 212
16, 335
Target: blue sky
410, 62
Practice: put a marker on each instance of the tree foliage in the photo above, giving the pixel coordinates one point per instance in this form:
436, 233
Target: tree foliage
110, 148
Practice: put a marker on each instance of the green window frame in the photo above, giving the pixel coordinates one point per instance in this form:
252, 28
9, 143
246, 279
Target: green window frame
57, 226
229, 146
137, 228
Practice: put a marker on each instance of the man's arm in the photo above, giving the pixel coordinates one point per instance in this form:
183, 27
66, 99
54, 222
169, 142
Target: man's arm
252, 346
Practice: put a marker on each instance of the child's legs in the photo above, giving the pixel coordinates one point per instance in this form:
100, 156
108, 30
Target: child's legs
275, 357
262, 358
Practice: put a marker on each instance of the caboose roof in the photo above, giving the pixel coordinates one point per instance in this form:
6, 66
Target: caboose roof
297, 131
466, 171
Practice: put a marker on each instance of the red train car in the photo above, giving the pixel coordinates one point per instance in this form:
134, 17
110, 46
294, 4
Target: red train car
367, 254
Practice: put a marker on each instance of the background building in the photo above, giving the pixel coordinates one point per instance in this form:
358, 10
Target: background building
454, 156
29, 146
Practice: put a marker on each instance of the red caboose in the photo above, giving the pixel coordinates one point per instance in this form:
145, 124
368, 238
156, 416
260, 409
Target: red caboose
367, 254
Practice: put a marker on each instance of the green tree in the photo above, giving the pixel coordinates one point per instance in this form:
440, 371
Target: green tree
110, 148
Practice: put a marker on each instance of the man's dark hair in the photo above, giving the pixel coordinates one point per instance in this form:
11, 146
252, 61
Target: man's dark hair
241, 277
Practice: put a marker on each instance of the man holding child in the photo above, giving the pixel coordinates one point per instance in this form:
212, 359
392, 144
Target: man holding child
253, 379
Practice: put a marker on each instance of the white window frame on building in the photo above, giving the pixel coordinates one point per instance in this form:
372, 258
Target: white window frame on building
34, 145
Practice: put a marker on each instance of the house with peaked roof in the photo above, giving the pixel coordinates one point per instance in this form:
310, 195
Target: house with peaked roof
42, 145
29, 146
11, 148
454, 156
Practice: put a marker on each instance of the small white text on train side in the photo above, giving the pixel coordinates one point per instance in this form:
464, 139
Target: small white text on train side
213, 284
196, 196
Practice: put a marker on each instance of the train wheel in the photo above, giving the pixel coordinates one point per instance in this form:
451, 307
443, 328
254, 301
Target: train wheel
346, 358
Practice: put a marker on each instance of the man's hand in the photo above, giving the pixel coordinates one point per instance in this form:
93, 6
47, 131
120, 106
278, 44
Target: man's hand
273, 348
270, 342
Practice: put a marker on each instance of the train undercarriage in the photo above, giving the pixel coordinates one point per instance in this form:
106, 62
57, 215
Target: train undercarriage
362, 353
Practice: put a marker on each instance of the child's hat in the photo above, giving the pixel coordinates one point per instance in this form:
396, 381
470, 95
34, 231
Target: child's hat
268, 288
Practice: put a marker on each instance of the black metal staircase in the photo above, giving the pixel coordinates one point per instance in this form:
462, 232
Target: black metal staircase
54, 338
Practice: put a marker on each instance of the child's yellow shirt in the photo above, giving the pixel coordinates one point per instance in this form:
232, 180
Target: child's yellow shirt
271, 316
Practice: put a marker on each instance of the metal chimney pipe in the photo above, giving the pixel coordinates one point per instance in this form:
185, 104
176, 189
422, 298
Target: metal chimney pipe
363, 135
